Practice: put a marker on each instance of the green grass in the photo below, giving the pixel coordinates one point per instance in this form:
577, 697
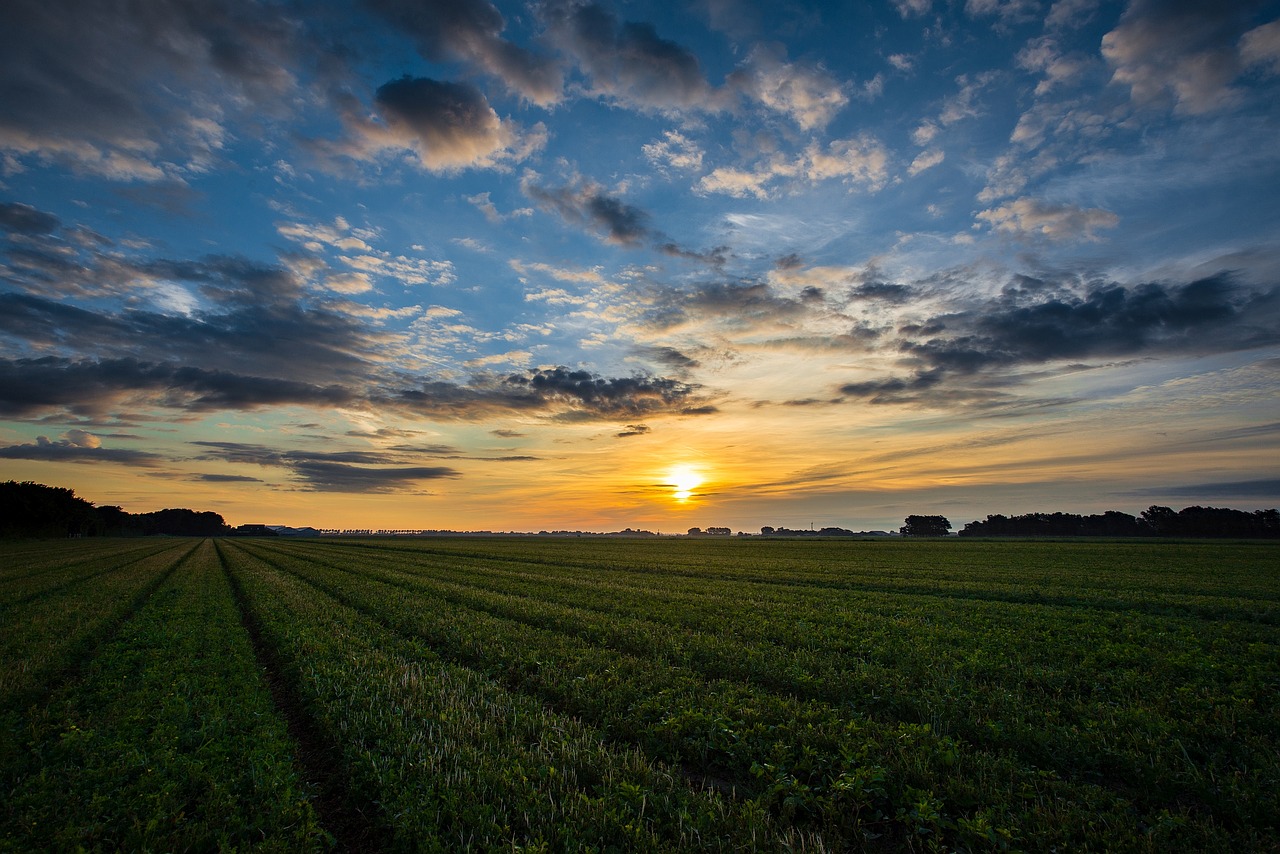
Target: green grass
655, 694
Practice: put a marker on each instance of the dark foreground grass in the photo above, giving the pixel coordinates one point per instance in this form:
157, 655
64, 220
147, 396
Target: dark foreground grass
658, 694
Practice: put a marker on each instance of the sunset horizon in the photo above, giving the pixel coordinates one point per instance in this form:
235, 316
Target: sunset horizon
605, 265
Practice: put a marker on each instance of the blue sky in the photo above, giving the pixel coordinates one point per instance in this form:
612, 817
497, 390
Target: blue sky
590, 265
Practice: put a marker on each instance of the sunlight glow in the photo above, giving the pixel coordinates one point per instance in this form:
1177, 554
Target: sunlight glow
684, 480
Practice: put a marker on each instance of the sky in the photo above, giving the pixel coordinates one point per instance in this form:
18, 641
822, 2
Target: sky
455, 264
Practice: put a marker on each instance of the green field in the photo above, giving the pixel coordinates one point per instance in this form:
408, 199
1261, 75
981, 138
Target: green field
605, 694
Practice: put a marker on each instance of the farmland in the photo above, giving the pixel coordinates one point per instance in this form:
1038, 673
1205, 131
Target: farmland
548, 694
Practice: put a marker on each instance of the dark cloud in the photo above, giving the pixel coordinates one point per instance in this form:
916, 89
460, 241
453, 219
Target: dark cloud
34, 387
1266, 489
78, 79
882, 292
24, 219
740, 305
321, 476
66, 450
225, 478
633, 430
334, 471
30, 387
471, 30
256, 330
587, 204
248, 337
1025, 327
628, 61
560, 392
601, 396
450, 120
892, 389
508, 434
670, 357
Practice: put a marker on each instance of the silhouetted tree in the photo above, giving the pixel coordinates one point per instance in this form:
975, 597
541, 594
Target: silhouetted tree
926, 526
31, 509
1160, 521
183, 523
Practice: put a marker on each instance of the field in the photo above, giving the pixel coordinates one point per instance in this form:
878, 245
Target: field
630, 695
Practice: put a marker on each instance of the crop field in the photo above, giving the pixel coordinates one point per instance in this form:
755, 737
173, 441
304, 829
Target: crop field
639, 695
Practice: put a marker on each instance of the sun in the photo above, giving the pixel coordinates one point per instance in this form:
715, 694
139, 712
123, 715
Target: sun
684, 480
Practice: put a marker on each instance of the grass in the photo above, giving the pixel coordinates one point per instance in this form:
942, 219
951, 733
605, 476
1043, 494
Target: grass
651, 694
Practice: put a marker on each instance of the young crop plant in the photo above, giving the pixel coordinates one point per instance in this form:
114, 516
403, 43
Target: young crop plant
730, 694
166, 740
998, 695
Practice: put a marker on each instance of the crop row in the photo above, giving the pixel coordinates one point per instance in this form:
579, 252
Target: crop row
453, 761
166, 740
1091, 572
45, 636
1077, 692
664, 695
810, 762
26, 576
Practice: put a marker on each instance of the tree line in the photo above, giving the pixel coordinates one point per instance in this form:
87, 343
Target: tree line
1155, 521
29, 509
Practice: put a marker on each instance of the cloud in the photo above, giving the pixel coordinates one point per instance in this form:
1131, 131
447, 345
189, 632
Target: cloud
1009, 11
913, 8
30, 387
627, 61
1185, 53
809, 95
1068, 14
586, 392
588, 204
860, 162
1264, 489
471, 30
557, 393
632, 430
448, 127
1033, 218
225, 478
79, 81
1044, 55
672, 358
969, 353
350, 471
77, 446
674, 151
485, 205
619, 223
1261, 46
964, 104
926, 160
23, 219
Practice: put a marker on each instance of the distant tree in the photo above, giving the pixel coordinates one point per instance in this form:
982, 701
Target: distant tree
114, 522
766, 531
178, 522
926, 526
720, 532
31, 509
1160, 521
694, 532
